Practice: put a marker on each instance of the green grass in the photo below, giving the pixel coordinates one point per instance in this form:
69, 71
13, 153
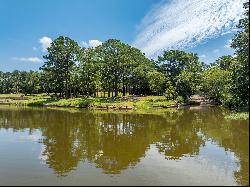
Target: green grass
238, 116
139, 103
9, 95
164, 104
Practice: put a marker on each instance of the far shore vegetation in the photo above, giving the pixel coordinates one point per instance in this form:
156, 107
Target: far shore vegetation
238, 116
116, 103
117, 75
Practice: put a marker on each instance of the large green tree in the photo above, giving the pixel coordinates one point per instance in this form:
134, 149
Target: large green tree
184, 70
157, 82
89, 72
120, 66
30, 82
216, 83
240, 69
224, 62
60, 62
111, 54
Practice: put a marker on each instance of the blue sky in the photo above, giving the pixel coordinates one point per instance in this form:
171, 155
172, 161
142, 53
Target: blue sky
26, 26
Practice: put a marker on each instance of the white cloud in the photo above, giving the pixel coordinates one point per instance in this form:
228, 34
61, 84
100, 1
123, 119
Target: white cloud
94, 43
84, 44
34, 48
28, 59
178, 24
203, 56
228, 45
45, 42
216, 51
91, 44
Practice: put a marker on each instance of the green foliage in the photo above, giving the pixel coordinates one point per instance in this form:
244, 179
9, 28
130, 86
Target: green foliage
170, 92
180, 99
123, 67
183, 69
241, 39
228, 78
224, 62
60, 62
89, 72
139, 79
20, 82
238, 116
157, 82
215, 83
240, 69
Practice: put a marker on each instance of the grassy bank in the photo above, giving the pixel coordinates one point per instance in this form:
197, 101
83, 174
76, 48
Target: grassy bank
121, 103
129, 103
238, 116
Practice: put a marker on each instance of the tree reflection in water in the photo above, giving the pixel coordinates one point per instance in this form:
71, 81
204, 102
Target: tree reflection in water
116, 141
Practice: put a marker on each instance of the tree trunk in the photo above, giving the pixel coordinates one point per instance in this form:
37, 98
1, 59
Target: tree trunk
109, 91
123, 87
66, 86
113, 88
116, 88
70, 91
126, 88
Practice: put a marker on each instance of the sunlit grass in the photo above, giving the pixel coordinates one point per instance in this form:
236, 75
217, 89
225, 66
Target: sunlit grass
131, 102
238, 116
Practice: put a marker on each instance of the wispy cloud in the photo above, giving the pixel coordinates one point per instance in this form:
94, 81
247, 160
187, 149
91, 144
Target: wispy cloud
203, 56
216, 51
178, 24
91, 43
34, 48
45, 43
28, 59
84, 44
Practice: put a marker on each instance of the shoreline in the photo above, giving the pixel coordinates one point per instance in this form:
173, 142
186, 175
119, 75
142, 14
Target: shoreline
127, 103
147, 104
229, 115
108, 107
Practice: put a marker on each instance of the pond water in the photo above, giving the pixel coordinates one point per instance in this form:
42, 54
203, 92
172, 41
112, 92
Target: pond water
195, 146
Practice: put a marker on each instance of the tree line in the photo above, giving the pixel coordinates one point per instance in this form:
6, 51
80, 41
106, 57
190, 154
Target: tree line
116, 69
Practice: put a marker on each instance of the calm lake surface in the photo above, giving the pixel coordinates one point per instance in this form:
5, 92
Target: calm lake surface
195, 146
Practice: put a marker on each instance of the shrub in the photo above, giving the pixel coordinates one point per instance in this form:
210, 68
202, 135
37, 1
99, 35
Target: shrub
180, 99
